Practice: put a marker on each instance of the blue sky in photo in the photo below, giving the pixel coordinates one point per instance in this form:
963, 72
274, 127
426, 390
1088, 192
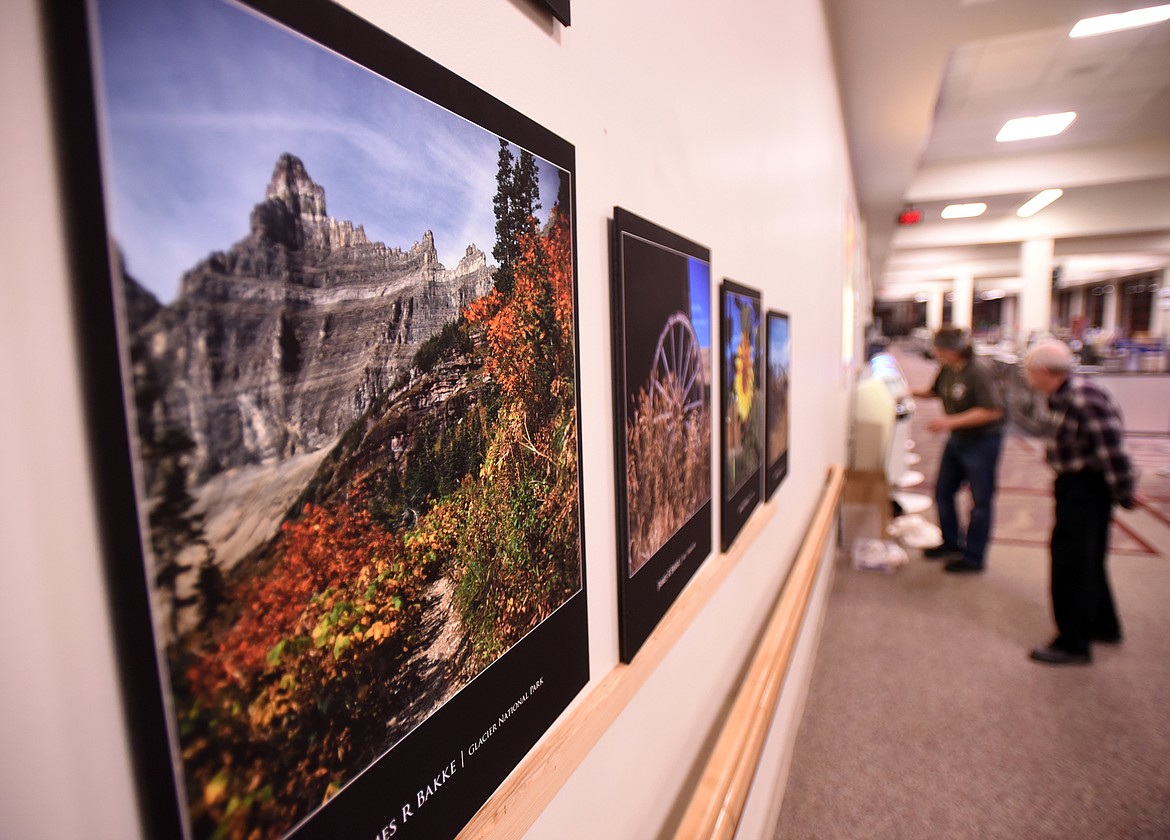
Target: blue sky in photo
199, 99
778, 344
734, 303
700, 294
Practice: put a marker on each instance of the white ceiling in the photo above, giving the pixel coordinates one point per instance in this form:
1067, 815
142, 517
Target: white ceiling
927, 84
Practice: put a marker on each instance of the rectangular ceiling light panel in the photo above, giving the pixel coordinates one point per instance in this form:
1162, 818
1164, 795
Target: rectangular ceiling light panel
963, 211
1125, 20
1026, 128
1038, 202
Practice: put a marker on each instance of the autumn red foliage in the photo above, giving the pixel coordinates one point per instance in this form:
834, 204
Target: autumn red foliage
511, 536
290, 693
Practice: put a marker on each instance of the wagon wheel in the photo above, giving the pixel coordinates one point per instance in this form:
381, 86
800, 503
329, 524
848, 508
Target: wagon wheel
677, 376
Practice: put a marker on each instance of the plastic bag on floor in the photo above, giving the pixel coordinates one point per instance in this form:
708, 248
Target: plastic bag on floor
877, 555
913, 531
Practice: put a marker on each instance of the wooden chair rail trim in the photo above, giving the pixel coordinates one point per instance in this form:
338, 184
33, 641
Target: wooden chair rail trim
524, 795
722, 791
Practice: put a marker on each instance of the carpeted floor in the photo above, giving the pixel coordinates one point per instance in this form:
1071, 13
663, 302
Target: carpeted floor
926, 719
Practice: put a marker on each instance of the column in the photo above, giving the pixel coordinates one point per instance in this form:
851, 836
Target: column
934, 308
964, 292
1008, 316
1160, 318
1036, 294
1112, 315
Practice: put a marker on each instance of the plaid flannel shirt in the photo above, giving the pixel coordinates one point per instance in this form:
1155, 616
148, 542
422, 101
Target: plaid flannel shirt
1087, 435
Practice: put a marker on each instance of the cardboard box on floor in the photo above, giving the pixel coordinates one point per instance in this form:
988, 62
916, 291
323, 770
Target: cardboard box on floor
866, 482
869, 489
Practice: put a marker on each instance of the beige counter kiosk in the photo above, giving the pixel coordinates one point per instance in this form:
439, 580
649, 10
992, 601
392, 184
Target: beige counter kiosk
883, 410
882, 413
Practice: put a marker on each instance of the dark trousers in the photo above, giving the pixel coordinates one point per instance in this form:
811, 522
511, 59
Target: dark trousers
1082, 602
974, 461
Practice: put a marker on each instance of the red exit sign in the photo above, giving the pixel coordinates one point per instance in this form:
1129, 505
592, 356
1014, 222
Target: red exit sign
910, 216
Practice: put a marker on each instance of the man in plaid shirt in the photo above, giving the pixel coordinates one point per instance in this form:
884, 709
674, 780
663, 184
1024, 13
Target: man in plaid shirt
1093, 472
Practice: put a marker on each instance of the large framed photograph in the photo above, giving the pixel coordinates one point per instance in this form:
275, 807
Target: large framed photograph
662, 397
329, 307
778, 378
741, 356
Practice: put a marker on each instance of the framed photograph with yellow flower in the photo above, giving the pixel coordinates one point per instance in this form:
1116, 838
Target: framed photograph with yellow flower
741, 340
662, 398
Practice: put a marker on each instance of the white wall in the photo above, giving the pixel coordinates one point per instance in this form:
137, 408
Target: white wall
718, 121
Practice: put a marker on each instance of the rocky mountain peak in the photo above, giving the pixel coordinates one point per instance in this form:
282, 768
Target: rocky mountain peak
292, 187
426, 250
274, 347
293, 213
473, 260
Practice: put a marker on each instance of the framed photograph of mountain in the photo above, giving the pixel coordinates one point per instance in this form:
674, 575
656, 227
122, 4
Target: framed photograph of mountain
741, 356
661, 294
777, 375
329, 304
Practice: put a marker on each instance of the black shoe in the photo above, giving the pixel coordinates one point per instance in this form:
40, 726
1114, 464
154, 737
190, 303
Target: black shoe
1058, 656
962, 566
940, 552
1107, 638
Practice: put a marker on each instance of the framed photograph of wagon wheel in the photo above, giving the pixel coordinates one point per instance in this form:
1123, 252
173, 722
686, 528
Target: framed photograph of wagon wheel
662, 398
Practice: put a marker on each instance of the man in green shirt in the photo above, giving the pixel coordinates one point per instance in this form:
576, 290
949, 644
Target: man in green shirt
973, 414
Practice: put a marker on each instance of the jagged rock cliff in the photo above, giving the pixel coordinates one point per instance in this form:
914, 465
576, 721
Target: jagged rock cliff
274, 347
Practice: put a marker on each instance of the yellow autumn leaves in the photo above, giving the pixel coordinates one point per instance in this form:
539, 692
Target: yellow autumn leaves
745, 378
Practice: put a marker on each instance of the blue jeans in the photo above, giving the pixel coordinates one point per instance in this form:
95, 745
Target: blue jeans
974, 461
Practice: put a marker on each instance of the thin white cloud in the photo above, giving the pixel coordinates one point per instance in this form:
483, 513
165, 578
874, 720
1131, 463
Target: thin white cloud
191, 152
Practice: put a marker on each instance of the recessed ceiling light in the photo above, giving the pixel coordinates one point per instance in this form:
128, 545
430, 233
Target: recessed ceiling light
1045, 125
1125, 20
1038, 202
963, 211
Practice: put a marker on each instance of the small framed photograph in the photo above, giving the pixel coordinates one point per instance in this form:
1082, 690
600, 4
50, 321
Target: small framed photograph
778, 379
741, 357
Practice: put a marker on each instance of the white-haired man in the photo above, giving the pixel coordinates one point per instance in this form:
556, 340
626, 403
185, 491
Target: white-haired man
1086, 449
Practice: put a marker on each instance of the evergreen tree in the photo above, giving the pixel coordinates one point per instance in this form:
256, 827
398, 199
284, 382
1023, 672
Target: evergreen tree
506, 248
212, 589
515, 204
174, 524
526, 185
563, 197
